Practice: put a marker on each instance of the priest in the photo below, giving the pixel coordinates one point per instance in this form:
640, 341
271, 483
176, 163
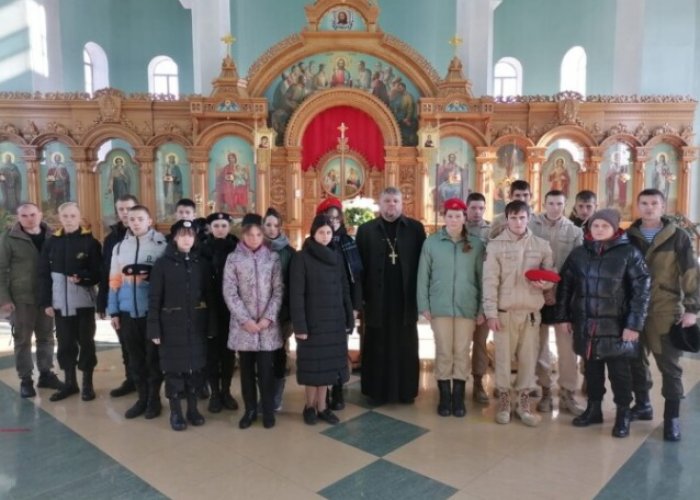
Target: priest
390, 247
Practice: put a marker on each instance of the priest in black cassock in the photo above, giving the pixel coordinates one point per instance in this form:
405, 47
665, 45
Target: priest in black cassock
390, 247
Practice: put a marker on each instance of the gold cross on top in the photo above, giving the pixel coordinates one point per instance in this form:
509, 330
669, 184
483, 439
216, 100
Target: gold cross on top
342, 129
455, 41
229, 40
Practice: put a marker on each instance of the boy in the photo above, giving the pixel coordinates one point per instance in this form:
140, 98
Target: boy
512, 306
585, 205
132, 260
69, 268
519, 190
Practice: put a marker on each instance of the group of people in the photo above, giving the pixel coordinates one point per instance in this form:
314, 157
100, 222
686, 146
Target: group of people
187, 306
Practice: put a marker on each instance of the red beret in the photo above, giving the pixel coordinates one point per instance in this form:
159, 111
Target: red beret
454, 204
329, 202
542, 275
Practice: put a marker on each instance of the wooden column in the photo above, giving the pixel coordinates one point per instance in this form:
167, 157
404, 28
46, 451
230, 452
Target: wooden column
391, 162
641, 157
485, 160
147, 194
32, 162
590, 179
533, 174
684, 180
295, 193
199, 164
88, 193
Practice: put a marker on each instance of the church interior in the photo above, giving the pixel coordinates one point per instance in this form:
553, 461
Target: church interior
242, 105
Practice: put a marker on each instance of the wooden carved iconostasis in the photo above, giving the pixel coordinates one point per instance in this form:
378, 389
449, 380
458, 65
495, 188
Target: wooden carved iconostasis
339, 109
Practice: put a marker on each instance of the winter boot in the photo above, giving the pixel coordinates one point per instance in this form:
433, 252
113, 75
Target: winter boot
215, 402
177, 422
568, 403
153, 405
445, 405
642, 409
250, 416
593, 414
458, 388
193, 416
127, 387
279, 391
49, 380
545, 403
672, 421
479, 395
227, 399
523, 411
139, 407
337, 401
503, 410
70, 386
88, 393
621, 428
26, 388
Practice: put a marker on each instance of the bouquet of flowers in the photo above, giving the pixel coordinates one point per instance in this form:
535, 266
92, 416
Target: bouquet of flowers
357, 211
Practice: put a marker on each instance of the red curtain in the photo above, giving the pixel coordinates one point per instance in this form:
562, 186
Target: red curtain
321, 136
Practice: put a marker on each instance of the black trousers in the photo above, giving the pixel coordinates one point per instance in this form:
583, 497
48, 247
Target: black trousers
179, 385
220, 362
76, 339
125, 354
144, 364
620, 377
257, 365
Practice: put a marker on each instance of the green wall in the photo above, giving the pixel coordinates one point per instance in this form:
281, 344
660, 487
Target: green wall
131, 32
539, 32
16, 73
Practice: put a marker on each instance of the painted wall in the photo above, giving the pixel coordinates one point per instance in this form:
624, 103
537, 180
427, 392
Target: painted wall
131, 32
540, 32
15, 73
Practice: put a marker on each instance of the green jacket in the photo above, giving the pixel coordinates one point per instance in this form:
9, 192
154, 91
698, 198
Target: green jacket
449, 280
18, 266
674, 278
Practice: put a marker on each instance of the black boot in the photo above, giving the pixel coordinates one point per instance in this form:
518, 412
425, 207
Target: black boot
88, 393
337, 401
153, 405
444, 406
642, 409
593, 414
458, 408
621, 428
26, 388
672, 421
215, 402
227, 399
70, 386
127, 387
139, 407
49, 380
193, 415
177, 422
203, 392
250, 416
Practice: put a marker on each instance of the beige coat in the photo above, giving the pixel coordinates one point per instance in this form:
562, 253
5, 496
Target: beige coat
563, 236
505, 286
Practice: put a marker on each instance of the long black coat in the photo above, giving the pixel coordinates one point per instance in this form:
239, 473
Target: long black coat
177, 310
604, 289
371, 242
320, 305
215, 251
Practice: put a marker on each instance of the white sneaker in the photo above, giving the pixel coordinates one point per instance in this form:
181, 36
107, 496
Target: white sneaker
522, 410
568, 403
503, 409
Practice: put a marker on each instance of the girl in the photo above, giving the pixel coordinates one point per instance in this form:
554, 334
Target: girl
253, 291
279, 243
343, 243
179, 320
322, 318
604, 294
449, 296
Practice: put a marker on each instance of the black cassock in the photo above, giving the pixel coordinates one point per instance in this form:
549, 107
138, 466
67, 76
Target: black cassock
390, 342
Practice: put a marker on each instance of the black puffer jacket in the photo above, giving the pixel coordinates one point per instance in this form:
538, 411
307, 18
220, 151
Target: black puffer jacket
604, 289
177, 310
320, 305
117, 234
215, 251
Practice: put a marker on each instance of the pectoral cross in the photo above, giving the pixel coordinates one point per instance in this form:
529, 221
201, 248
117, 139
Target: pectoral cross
393, 256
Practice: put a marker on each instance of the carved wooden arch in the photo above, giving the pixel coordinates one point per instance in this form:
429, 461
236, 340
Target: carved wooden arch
268, 68
464, 131
355, 98
214, 132
13, 138
101, 133
628, 139
673, 140
42, 140
160, 139
521, 141
571, 132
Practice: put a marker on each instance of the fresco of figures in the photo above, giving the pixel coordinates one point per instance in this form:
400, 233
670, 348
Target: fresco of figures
615, 179
172, 180
119, 175
342, 19
452, 176
232, 176
661, 172
58, 177
560, 172
510, 166
345, 69
13, 177
342, 177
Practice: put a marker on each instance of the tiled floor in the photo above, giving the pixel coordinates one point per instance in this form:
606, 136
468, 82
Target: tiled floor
71, 449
